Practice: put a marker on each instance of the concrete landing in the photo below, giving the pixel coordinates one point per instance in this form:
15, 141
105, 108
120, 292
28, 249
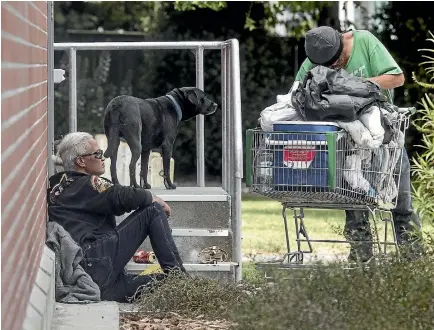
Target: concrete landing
97, 316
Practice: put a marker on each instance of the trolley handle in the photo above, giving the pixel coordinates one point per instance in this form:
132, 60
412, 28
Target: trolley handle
407, 111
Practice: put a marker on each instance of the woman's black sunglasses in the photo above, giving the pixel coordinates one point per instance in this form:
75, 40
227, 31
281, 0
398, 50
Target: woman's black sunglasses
97, 154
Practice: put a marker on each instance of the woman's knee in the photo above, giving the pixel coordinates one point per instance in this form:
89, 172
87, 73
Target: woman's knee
149, 210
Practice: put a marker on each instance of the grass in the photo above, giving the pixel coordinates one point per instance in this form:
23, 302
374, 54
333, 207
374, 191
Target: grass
263, 229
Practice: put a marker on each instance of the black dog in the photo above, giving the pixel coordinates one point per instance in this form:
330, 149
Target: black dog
149, 124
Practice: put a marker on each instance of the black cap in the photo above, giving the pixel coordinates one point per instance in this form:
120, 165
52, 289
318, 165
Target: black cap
323, 45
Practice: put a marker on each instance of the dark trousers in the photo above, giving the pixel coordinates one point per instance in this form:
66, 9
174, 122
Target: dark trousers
357, 227
105, 258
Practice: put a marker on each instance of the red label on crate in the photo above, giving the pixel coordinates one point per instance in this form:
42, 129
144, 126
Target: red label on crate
298, 158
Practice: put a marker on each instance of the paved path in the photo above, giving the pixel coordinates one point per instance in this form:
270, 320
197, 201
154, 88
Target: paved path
96, 316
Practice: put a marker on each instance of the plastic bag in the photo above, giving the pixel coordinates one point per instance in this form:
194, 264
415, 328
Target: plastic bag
281, 111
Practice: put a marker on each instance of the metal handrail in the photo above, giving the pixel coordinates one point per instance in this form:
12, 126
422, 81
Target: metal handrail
232, 146
157, 45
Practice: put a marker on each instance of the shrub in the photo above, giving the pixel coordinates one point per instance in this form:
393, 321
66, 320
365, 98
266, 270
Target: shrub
423, 163
395, 294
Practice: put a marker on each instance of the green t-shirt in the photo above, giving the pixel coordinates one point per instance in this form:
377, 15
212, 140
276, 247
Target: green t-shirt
369, 58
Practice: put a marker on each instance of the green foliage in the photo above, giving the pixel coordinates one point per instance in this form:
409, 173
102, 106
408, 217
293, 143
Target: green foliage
108, 15
430, 69
193, 5
399, 25
302, 14
423, 163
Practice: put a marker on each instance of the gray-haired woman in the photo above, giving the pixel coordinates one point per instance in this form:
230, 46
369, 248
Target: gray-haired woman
86, 204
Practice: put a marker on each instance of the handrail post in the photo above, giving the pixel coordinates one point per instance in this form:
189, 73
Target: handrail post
224, 78
200, 134
237, 154
229, 144
72, 90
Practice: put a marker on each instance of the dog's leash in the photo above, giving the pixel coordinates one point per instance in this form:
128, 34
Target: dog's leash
177, 107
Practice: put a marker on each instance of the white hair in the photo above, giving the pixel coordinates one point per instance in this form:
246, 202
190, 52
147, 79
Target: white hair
71, 146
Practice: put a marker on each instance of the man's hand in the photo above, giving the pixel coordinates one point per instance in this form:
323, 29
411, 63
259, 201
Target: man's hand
166, 208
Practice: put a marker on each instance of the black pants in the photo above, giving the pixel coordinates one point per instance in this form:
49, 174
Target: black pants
105, 258
357, 227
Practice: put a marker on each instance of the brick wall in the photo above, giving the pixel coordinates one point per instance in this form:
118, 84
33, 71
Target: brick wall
23, 152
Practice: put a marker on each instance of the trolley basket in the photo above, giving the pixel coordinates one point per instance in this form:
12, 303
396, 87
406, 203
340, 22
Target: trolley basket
311, 164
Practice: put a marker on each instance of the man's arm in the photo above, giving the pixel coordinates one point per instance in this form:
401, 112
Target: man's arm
386, 72
389, 81
305, 67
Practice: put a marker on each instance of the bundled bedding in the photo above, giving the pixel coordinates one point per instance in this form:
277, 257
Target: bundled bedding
356, 105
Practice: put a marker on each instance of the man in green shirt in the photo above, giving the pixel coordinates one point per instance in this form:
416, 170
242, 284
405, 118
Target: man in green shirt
360, 53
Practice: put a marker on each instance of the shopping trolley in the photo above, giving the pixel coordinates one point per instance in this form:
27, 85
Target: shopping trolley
318, 165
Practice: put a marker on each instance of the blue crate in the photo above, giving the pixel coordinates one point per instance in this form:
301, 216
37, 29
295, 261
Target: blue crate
301, 165
303, 130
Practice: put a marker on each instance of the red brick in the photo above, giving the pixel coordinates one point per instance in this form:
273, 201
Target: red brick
18, 273
28, 273
13, 132
19, 177
26, 31
25, 144
16, 319
42, 5
24, 100
9, 236
29, 12
16, 78
24, 245
24, 197
18, 53
20, 6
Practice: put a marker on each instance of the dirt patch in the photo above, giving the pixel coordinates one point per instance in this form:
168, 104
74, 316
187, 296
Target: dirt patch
172, 321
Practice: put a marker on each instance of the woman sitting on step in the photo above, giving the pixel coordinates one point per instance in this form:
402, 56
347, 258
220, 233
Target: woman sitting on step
86, 204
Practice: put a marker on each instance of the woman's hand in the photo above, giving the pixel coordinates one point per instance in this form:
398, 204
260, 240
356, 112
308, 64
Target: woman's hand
166, 208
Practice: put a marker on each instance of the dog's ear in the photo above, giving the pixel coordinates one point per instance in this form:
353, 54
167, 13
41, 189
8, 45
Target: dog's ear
192, 97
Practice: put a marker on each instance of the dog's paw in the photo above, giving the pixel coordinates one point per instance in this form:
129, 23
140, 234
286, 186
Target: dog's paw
144, 184
169, 185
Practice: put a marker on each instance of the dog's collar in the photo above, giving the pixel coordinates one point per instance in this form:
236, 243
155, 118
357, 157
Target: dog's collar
177, 107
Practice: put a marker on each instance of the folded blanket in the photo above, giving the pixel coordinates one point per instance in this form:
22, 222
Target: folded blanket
72, 283
367, 132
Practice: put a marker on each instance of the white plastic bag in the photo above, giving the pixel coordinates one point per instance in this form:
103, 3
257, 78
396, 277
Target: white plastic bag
281, 111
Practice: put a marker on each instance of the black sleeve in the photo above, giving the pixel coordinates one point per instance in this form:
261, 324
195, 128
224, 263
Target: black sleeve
115, 198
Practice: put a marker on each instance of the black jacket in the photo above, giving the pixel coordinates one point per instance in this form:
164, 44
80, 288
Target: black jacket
335, 95
86, 205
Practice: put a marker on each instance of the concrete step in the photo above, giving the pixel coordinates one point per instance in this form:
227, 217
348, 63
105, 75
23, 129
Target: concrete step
196, 207
192, 194
200, 232
201, 218
190, 247
222, 271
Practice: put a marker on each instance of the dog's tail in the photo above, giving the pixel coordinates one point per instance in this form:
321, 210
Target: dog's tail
111, 129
